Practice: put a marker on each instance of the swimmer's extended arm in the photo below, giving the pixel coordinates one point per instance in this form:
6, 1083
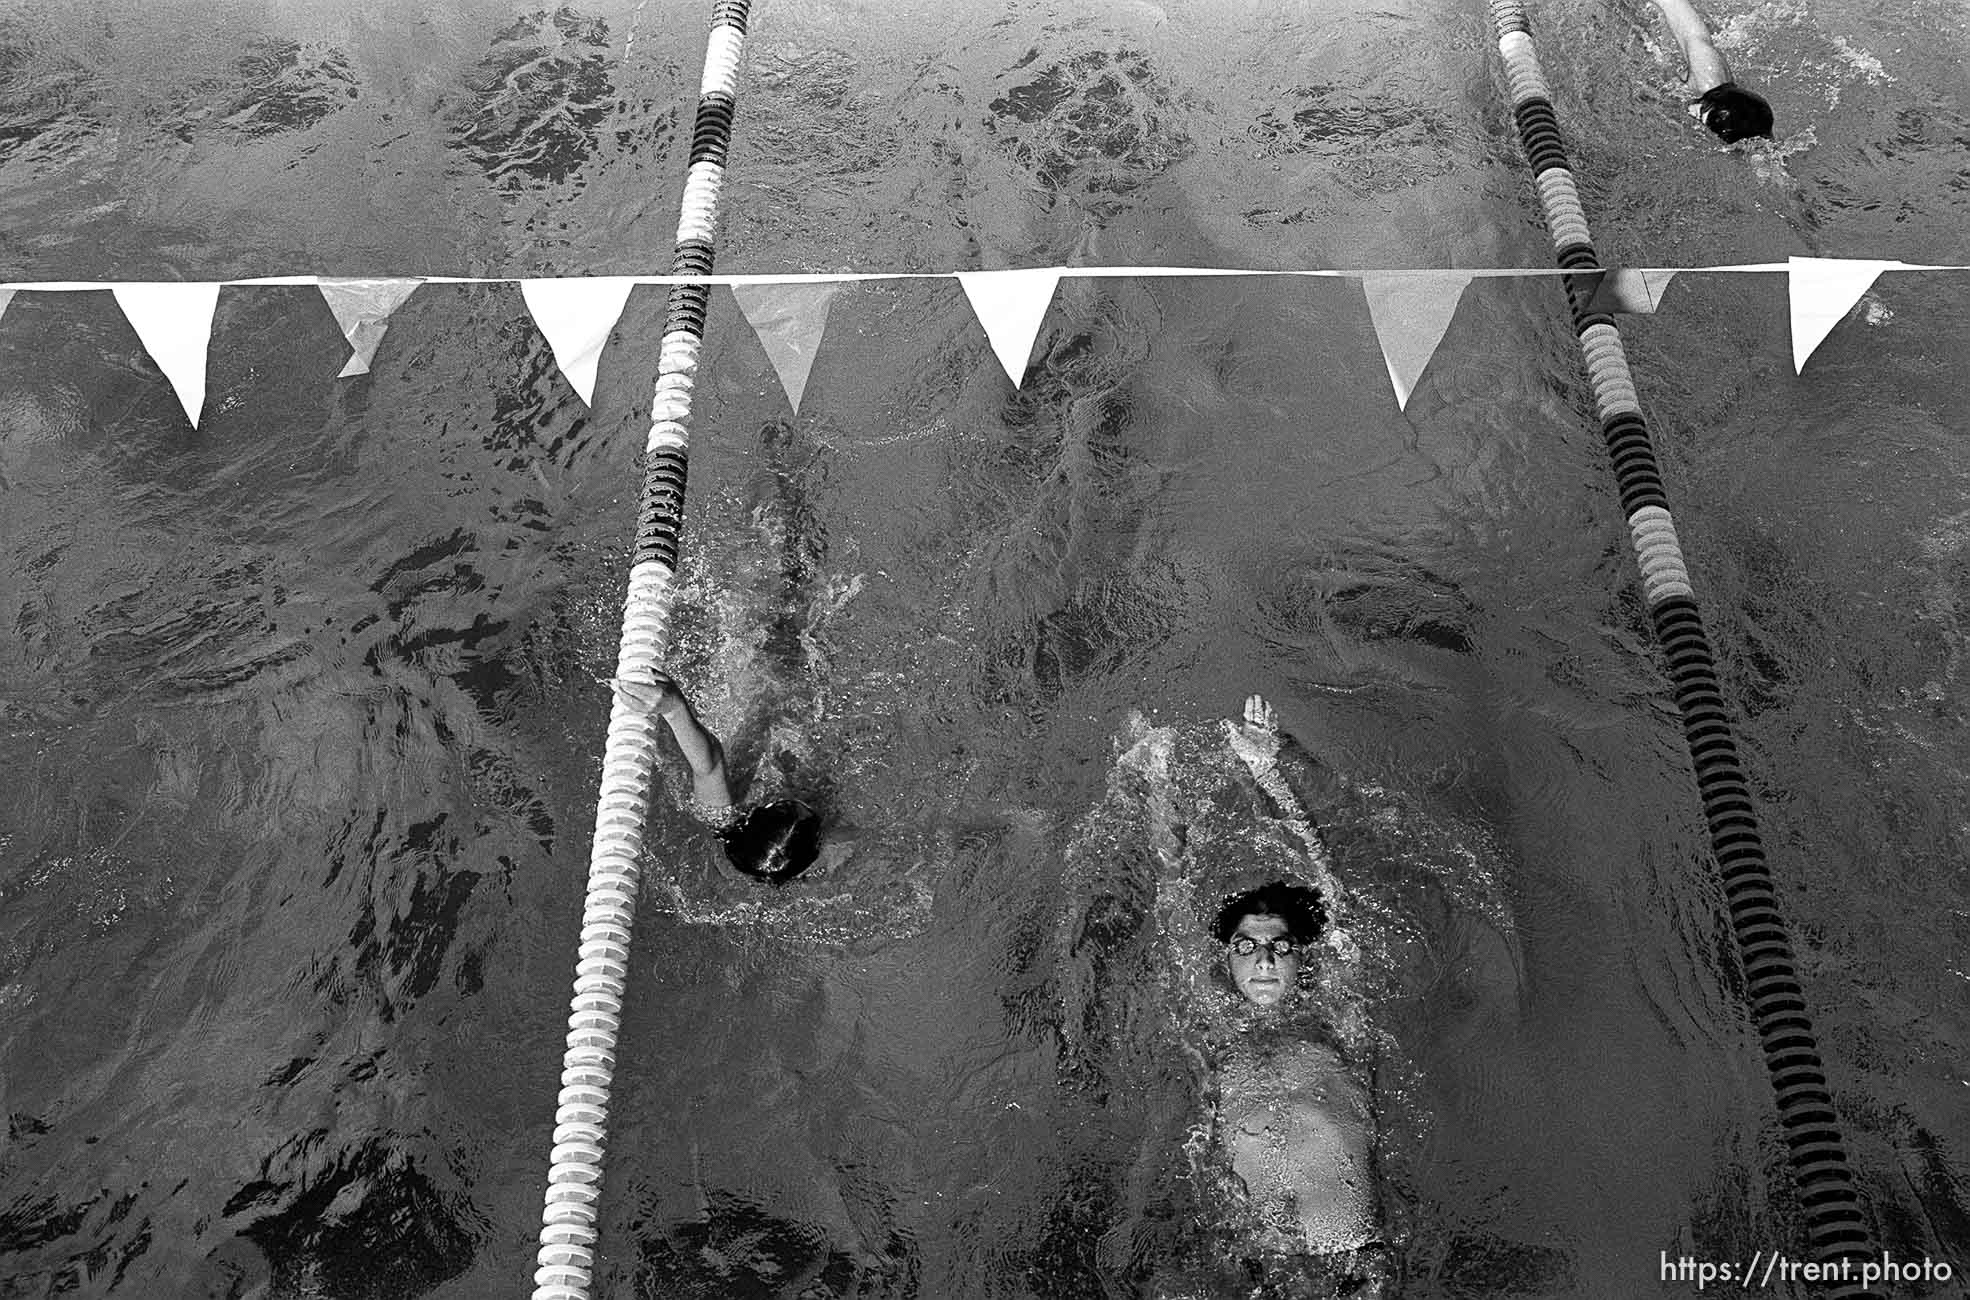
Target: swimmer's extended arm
1728, 109
1707, 70
1282, 765
1283, 768
660, 695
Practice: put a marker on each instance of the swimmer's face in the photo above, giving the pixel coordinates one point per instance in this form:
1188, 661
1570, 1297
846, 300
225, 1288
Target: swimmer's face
1263, 976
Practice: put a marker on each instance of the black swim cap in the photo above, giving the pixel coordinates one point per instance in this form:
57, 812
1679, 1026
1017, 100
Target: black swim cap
1733, 113
774, 842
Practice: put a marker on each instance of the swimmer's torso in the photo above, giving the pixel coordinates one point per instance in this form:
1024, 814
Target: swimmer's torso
1297, 1130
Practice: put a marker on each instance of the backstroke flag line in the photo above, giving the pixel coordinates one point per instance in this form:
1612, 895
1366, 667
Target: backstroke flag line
174, 321
1411, 310
789, 320
362, 308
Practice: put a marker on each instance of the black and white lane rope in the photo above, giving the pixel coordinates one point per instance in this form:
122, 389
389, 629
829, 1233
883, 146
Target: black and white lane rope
1836, 1218
566, 1257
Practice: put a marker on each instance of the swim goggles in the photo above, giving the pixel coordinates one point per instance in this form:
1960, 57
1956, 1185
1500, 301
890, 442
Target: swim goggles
1245, 945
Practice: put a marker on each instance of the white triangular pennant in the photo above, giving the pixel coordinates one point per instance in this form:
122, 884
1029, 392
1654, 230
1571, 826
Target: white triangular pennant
1823, 291
1010, 305
789, 319
362, 308
1636, 290
174, 323
1655, 282
1410, 311
577, 314
6, 296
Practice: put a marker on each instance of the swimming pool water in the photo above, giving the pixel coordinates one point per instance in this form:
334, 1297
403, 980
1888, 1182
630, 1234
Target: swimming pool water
302, 729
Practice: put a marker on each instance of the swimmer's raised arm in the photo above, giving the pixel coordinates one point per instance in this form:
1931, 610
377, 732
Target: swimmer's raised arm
1282, 767
659, 694
1730, 111
1268, 750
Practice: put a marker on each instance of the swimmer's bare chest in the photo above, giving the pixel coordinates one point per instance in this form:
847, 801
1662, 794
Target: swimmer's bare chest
1297, 1129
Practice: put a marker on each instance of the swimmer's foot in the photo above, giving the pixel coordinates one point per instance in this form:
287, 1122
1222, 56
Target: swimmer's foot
1259, 714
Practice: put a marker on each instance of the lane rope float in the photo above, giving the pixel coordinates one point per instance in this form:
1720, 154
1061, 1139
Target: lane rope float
1836, 1218
565, 1261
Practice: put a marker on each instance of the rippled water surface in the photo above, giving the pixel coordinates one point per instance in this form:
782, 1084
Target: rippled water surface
300, 725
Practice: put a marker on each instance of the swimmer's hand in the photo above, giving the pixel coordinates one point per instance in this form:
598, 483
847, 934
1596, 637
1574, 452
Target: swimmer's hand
656, 693
1733, 113
1257, 741
1259, 714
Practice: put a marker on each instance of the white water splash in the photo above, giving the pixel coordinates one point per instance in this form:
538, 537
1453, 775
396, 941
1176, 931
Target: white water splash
1768, 157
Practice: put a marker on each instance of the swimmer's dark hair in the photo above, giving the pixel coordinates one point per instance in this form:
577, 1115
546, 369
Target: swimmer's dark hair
774, 842
1299, 906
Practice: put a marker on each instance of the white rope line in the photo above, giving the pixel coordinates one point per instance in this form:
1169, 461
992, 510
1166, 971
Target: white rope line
568, 1235
722, 53
568, 1221
1664, 572
700, 206
1607, 371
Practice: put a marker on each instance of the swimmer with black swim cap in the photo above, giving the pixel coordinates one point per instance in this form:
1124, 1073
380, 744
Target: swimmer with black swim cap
773, 841
1730, 111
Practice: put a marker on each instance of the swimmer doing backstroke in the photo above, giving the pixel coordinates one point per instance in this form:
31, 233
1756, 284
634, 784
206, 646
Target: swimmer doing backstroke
1292, 1117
